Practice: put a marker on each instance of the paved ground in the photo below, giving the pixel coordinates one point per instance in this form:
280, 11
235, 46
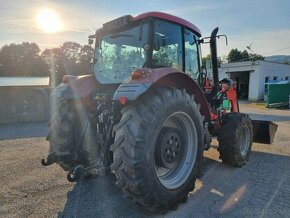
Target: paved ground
261, 188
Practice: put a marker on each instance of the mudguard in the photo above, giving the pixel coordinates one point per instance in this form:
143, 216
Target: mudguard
64, 91
131, 90
169, 77
74, 144
75, 87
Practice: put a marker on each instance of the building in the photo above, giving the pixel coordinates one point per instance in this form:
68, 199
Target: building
252, 77
24, 99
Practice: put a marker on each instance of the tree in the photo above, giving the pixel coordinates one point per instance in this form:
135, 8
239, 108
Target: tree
235, 56
206, 61
53, 58
258, 57
85, 58
245, 56
69, 58
22, 60
26, 60
70, 55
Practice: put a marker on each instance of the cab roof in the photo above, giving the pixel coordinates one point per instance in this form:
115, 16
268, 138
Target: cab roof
171, 18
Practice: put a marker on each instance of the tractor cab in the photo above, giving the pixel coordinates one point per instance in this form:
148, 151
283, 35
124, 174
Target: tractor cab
153, 40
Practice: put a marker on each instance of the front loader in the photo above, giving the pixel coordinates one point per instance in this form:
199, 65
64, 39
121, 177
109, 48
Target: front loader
148, 111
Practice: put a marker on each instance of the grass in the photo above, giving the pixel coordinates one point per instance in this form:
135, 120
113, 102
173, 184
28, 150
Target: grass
259, 105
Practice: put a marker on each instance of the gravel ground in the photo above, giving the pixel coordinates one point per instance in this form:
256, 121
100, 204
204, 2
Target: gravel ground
261, 188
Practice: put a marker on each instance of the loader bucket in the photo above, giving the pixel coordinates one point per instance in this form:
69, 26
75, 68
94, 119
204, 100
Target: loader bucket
264, 131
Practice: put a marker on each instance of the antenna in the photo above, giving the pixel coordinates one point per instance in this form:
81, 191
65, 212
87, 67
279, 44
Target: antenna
249, 47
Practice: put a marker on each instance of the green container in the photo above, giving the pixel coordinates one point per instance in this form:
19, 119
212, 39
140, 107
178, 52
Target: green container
278, 95
226, 104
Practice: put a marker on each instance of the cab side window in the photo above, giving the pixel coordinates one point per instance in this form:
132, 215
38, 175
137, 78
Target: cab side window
167, 45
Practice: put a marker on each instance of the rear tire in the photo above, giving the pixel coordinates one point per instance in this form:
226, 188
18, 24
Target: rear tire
147, 168
62, 133
235, 139
73, 139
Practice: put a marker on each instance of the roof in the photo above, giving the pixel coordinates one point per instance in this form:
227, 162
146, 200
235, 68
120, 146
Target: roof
24, 81
252, 63
278, 82
171, 18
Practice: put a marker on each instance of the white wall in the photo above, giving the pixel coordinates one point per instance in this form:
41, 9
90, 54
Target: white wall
274, 69
254, 84
222, 74
258, 71
271, 69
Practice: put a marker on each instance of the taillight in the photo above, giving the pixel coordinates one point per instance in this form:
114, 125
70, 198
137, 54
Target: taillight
123, 100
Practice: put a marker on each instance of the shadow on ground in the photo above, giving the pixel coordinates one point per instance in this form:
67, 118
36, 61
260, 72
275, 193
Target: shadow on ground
273, 118
261, 188
23, 130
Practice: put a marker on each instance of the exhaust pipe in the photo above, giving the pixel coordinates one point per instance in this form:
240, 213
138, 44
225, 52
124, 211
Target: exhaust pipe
214, 64
214, 57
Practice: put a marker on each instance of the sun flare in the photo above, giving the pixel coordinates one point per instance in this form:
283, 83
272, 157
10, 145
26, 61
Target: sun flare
48, 21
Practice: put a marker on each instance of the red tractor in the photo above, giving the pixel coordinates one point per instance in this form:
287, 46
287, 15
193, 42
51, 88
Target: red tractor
148, 111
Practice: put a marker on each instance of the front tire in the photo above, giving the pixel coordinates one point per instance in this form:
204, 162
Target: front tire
158, 149
235, 139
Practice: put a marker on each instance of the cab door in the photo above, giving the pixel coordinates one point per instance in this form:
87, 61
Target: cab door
191, 54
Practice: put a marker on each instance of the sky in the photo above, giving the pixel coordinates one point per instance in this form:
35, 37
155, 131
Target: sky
262, 24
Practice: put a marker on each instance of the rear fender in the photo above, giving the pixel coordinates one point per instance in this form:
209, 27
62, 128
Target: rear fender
76, 88
162, 77
84, 85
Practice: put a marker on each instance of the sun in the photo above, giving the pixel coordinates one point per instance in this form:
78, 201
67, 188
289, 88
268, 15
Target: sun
48, 21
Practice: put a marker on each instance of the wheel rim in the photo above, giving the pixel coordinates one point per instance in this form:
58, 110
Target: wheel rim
245, 140
173, 170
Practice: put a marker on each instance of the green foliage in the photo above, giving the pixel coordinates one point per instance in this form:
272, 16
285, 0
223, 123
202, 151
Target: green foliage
115, 61
164, 56
167, 56
258, 57
206, 61
235, 56
22, 60
26, 59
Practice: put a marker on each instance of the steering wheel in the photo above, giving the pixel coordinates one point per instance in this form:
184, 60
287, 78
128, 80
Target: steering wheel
202, 76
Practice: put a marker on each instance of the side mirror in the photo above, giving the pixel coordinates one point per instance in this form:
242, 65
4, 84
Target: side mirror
202, 76
203, 70
90, 41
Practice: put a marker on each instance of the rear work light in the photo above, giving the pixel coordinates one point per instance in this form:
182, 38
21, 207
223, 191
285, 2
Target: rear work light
138, 74
68, 78
117, 23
